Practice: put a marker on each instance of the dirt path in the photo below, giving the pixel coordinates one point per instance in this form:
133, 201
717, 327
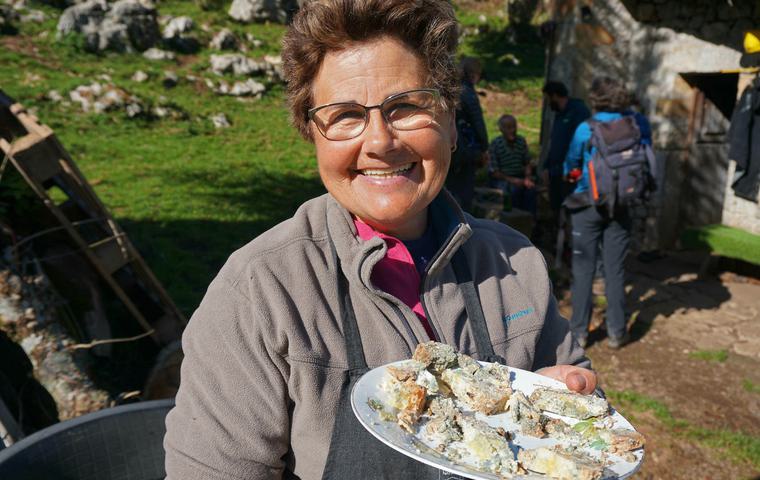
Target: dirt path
690, 377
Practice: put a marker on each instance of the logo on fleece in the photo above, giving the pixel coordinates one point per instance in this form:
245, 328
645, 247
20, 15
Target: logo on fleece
520, 314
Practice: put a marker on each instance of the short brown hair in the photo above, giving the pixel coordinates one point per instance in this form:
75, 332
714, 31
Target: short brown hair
427, 27
608, 95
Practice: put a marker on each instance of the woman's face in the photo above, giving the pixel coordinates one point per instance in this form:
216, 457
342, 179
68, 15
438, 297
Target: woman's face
385, 177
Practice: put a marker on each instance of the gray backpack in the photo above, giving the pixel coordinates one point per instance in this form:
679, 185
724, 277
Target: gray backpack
621, 170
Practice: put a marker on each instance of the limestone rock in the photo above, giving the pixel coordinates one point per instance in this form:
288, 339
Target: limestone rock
126, 25
170, 79
139, 76
236, 64
158, 54
224, 40
100, 98
177, 26
54, 96
273, 67
220, 121
248, 11
33, 16
248, 88
177, 37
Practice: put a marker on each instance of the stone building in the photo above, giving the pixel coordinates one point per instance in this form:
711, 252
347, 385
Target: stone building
681, 59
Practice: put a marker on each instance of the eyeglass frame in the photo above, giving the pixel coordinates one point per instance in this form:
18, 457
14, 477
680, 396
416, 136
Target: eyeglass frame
312, 111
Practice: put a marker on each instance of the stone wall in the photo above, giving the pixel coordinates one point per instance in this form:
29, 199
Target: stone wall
715, 21
653, 46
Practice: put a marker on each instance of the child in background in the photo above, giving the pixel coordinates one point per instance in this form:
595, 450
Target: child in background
510, 168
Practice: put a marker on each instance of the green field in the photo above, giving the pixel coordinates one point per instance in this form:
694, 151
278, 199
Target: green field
186, 193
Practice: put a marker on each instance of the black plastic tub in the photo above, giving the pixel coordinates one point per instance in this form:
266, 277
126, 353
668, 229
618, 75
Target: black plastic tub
120, 443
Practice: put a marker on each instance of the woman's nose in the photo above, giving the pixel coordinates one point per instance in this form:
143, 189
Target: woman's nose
379, 135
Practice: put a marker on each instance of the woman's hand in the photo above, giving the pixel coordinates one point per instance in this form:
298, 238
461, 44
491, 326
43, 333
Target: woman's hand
577, 379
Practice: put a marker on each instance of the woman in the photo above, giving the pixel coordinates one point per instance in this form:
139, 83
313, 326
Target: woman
609, 99
359, 276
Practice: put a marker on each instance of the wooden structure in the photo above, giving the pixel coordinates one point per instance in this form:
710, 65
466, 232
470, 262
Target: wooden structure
36, 153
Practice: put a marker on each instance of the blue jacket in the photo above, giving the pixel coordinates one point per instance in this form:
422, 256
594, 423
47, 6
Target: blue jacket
578, 154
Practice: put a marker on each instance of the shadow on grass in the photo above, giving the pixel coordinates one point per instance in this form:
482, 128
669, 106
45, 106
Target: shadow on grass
185, 255
513, 57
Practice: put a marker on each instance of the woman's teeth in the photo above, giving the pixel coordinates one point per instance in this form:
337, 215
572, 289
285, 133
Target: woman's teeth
388, 172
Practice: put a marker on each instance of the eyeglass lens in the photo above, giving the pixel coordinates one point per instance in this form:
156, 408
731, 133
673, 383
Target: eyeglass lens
406, 111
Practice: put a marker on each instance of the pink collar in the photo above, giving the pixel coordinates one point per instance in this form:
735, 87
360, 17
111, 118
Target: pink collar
395, 273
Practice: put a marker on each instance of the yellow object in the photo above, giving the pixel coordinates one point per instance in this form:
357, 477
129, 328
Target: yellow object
752, 41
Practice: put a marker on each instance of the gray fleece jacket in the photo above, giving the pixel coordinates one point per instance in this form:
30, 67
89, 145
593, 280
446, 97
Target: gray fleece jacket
264, 354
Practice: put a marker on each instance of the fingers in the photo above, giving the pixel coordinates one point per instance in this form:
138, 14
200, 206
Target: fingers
580, 380
577, 379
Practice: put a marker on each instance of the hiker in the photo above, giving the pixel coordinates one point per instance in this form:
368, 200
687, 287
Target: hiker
568, 114
510, 168
362, 274
594, 224
472, 138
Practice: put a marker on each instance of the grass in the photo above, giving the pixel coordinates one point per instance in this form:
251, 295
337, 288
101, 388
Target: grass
737, 446
725, 241
186, 193
718, 356
750, 386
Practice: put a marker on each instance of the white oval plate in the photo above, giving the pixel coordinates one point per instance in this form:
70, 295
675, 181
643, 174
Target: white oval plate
368, 387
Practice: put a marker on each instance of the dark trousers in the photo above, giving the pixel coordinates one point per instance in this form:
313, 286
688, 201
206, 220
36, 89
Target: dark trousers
521, 197
589, 229
558, 190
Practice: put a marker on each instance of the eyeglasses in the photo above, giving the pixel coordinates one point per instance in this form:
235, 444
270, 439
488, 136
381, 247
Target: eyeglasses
403, 111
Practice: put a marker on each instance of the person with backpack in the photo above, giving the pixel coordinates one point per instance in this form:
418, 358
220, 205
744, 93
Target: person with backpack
613, 172
471, 150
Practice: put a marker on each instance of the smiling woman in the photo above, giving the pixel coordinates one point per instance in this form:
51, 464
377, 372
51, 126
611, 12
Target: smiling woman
360, 276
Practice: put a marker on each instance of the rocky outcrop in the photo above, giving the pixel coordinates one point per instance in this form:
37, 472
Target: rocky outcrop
248, 11
236, 64
224, 40
177, 36
124, 26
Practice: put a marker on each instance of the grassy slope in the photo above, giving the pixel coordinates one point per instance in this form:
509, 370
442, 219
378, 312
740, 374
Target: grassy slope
188, 194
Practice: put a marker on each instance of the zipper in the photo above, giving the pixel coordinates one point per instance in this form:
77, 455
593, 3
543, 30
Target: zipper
436, 334
426, 277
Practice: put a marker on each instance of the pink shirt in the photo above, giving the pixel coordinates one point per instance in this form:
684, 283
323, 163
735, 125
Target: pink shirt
396, 273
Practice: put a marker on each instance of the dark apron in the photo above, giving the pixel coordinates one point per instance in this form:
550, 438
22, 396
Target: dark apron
354, 453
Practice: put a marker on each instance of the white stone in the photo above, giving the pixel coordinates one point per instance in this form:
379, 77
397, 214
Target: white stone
248, 11
220, 121
34, 16
158, 54
139, 76
235, 63
248, 88
177, 26
224, 40
54, 96
133, 110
